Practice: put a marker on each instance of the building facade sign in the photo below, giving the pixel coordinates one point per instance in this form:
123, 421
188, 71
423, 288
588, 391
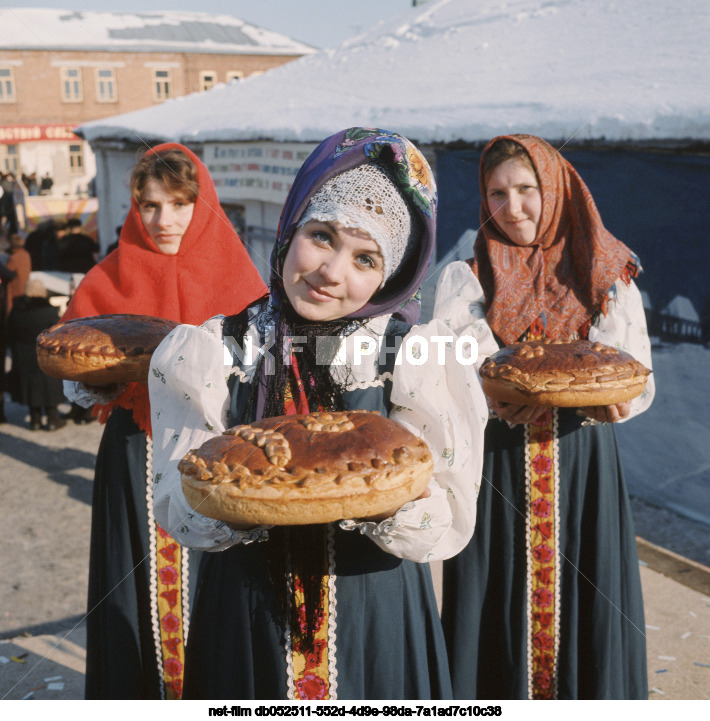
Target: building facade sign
255, 171
12, 134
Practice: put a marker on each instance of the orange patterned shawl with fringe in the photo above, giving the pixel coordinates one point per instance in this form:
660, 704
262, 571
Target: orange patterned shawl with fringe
565, 275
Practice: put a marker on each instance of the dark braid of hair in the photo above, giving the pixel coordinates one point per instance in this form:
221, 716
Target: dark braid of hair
314, 358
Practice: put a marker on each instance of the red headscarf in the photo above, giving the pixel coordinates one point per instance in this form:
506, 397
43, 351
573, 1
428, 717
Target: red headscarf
211, 272
564, 276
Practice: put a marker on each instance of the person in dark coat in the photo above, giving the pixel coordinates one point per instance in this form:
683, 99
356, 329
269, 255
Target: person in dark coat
7, 276
44, 243
45, 186
7, 203
31, 314
77, 250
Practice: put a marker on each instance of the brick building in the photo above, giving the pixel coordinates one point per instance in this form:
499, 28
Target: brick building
62, 68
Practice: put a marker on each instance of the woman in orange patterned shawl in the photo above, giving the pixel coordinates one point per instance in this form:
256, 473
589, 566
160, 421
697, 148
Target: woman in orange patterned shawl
545, 602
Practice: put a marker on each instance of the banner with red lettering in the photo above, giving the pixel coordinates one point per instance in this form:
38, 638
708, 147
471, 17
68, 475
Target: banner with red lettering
12, 134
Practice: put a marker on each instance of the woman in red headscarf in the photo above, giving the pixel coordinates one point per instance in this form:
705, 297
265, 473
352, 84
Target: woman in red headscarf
545, 601
173, 253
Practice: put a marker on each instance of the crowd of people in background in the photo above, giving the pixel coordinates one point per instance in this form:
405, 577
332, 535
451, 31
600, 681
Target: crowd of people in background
26, 307
31, 185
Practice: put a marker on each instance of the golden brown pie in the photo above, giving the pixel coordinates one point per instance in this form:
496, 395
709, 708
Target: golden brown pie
558, 373
102, 349
300, 469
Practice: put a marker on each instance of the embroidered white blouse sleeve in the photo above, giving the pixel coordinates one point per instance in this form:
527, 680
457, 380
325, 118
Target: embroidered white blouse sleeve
189, 401
624, 327
438, 398
461, 305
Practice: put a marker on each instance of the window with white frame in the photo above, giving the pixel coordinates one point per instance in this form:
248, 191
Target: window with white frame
162, 85
72, 89
76, 158
106, 85
234, 75
8, 158
208, 79
7, 85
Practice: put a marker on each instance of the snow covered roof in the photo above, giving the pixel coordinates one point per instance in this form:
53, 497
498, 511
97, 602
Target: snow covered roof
450, 70
151, 31
681, 307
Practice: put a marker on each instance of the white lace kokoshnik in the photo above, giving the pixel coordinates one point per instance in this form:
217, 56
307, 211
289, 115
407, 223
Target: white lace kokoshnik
366, 197
460, 304
442, 403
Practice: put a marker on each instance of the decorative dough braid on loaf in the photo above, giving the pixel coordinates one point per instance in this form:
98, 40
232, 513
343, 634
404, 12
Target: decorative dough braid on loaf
562, 373
301, 469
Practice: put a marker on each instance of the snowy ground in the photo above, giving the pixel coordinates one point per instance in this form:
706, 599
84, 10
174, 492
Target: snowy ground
666, 451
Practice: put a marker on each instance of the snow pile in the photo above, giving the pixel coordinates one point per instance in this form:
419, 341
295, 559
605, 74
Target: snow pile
470, 69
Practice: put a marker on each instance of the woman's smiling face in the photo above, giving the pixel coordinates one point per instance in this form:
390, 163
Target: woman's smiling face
330, 270
515, 201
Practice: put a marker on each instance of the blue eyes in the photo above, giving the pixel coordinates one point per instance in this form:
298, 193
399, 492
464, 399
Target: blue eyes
321, 236
324, 238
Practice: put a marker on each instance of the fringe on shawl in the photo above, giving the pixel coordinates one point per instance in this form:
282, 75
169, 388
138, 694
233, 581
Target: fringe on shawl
135, 398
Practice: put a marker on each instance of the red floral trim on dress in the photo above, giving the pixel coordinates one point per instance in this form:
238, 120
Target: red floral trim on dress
542, 547
543, 565
311, 667
169, 594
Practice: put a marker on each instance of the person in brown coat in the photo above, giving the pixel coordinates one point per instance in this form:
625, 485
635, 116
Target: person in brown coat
21, 263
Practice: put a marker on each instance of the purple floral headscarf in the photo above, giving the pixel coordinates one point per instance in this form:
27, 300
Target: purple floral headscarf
346, 150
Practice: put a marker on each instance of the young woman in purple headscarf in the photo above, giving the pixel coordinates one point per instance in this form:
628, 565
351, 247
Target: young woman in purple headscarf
343, 610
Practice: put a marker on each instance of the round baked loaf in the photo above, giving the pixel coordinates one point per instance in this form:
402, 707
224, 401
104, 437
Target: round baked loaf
558, 373
102, 349
300, 469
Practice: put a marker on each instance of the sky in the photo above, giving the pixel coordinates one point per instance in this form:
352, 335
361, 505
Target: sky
321, 23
